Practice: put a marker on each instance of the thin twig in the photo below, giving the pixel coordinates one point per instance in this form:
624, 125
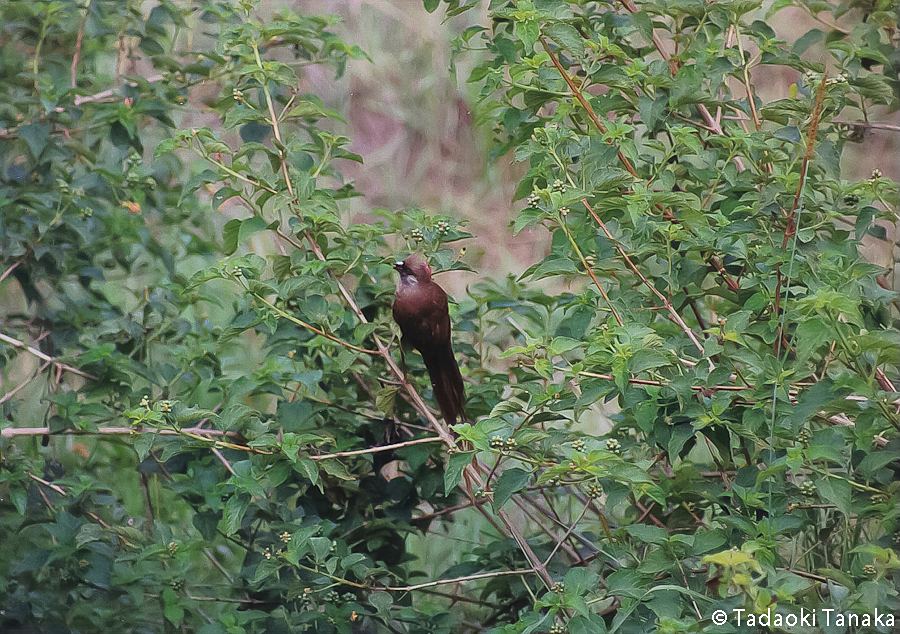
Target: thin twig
439, 582
520, 502
360, 452
569, 531
216, 599
310, 327
861, 124
218, 565
41, 355
55, 487
11, 432
78, 42
790, 226
576, 92
21, 385
10, 269
666, 303
224, 461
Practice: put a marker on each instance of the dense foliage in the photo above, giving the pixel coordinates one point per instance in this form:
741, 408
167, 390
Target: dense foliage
205, 424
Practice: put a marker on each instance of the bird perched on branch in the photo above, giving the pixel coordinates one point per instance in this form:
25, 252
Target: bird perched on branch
420, 309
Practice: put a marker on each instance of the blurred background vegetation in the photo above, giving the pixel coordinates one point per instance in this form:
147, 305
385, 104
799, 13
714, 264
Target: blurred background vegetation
131, 301
413, 118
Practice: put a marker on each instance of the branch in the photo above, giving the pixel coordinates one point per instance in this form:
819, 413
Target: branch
55, 487
11, 269
21, 385
584, 102
666, 303
78, 42
431, 584
41, 355
12, 432
361, 452
310, 327
781, 343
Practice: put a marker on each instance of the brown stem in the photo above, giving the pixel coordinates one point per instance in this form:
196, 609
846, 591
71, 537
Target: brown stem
790, 229
77, 54
576, 92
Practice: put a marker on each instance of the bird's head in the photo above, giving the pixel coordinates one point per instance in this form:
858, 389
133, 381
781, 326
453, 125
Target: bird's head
413, 269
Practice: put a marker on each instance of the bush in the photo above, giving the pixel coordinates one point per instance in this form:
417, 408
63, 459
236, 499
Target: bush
702, 416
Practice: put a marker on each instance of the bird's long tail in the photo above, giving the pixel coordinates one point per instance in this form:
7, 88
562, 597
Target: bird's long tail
447, 383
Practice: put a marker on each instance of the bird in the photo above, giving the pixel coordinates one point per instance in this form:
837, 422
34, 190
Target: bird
420, 309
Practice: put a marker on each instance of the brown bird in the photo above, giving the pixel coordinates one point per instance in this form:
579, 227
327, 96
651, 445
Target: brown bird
420, 309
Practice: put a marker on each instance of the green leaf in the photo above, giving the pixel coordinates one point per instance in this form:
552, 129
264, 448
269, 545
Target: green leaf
230, 234
166, 146
876, 461
36, 136
385, 400
249, 227
206, 523
265, 569
788, 133
559, 345
241, 115
223, 194
321, 546
143, 443
528, 31
336, 468
647, 533
707, 540
510, 482
174, 614
382, 602
456, 464
306, 109
567, 36
837, 491
234, 512
581, 581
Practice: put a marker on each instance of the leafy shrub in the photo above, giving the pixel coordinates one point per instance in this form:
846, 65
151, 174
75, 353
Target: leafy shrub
706, 418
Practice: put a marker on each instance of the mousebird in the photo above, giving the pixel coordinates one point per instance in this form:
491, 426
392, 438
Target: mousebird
420, 309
